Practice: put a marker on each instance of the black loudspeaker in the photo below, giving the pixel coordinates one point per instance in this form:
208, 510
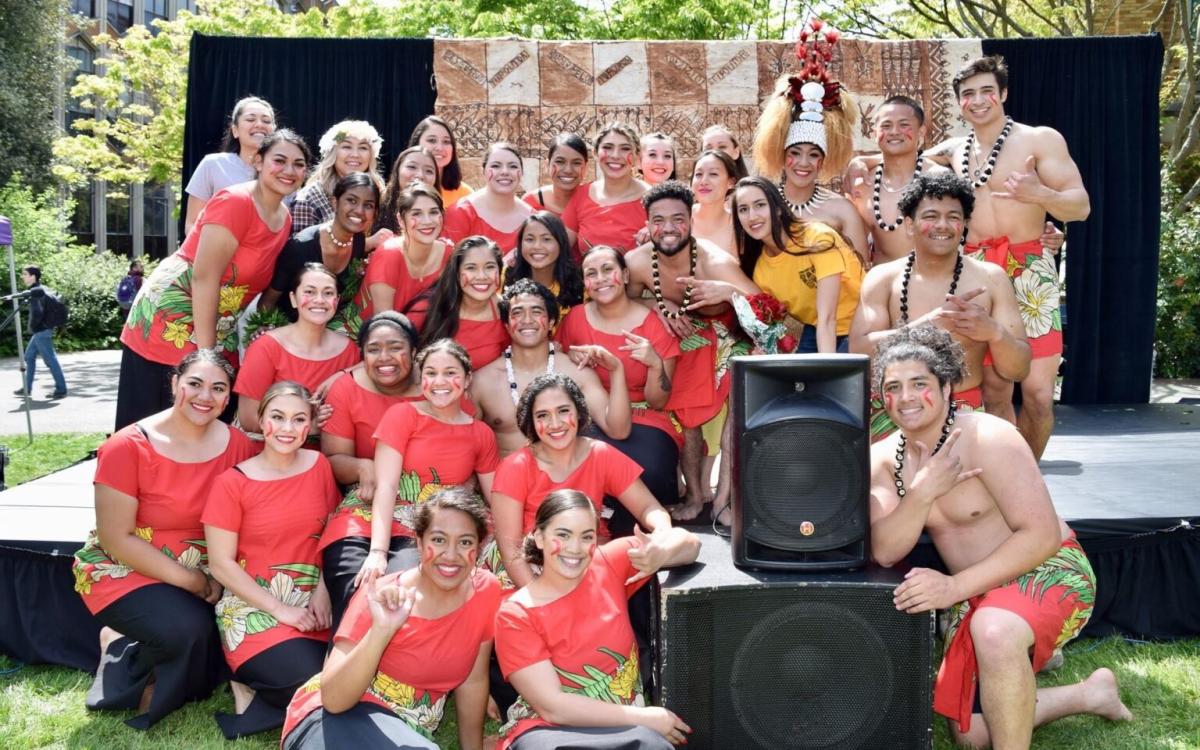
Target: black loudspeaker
801, 461
757, 660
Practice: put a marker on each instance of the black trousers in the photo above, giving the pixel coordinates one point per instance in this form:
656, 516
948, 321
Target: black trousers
365, 726
341, 561
274, 675
169, 635
658, 455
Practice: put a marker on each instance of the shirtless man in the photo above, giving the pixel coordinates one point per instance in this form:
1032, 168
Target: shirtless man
934, 283
528, 309
899, 131
692, 282
1019, 583
1020, 173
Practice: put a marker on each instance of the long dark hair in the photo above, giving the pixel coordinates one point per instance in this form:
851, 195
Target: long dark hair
286, 135
444, 297
727, 163
566, 270
452, 174
740, 162
785, 225
389, 209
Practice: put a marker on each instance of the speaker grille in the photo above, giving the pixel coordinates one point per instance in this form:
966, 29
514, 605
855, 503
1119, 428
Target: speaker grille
805, 667
804, 470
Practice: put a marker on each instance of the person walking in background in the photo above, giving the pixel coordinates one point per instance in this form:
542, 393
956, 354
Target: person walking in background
46, 312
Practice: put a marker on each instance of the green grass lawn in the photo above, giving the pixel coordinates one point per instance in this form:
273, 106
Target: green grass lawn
42, 706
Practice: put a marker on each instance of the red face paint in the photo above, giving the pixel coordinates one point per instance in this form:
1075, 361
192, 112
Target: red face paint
927, 226
927, 399
888, 401
428, 553
591, 549
964, 101
268, 429
993, 98
472, 556
555, 546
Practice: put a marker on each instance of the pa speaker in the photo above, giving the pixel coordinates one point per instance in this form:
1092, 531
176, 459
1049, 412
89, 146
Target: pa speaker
765, 660
801, 461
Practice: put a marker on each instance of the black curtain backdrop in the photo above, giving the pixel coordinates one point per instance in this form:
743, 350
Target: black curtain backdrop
312, 84
1102, 94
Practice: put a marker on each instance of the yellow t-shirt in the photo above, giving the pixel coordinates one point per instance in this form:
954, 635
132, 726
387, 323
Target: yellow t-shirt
792, 279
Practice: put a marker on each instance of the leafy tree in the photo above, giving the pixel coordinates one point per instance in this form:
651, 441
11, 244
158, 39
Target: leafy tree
31, 69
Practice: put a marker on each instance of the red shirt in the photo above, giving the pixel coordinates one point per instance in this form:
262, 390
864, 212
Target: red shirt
484, 340
593, 224
604, 471
388, 266
356, 413
435, 455
278, 522
268, 362
423, 662
462, 221
576, 329
159, 326
585, 634
170, 496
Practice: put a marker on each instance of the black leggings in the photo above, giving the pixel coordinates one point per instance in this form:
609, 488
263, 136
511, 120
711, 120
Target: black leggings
168, 634
274, 676
144, 388
341, 561
658, 455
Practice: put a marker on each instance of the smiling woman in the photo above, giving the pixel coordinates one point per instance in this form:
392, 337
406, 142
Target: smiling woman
494, 211
347, 147
193, 297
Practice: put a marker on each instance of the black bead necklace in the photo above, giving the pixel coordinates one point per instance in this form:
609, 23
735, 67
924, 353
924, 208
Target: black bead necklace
875, 197
656, 287
908, 267
984, 174
903, 443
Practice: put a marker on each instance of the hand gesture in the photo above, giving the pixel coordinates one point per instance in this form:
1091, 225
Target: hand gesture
924, 589
597, 356
935, 474
647, 555
640, 350
374, 566
1024, 185
706, 292
642, 237
300, 618
320, 606
366, 480
390, 604
1052, 238
381, 236
665, 722
966, 318
680, 324
324, 412
856, 177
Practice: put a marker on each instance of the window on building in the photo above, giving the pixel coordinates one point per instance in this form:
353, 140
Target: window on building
120, 15
154, 9
81, 215
84, 7
117, 211
188, 5
84, 58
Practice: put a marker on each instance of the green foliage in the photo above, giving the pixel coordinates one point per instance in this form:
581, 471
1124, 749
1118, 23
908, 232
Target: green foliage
1177, 334
31, 69
86, 281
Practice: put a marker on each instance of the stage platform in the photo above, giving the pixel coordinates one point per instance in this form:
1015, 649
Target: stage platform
1126, 478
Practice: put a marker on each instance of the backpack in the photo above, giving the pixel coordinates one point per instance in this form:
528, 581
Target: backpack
127, 289
54, 310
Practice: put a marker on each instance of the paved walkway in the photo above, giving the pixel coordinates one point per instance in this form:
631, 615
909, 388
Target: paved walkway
92, 403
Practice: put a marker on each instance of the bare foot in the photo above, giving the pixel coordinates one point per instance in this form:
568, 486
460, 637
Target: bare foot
493, 710
1104, 697
147, 696
687, 511
723, 517
107, 636
242, 695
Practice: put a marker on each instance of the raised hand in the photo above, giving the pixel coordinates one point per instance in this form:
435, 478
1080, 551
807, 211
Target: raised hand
597, 356
647, 556
706, 292
390, 604
968, 318
639, 349
935, 474
1024, 185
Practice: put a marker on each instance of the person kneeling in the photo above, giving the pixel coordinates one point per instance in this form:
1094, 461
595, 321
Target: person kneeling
1020, 585
407, 640
565, 642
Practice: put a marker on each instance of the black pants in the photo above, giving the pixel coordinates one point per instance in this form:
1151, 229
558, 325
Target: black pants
365, 726
274, 675
341, 561
658, 455
168, 634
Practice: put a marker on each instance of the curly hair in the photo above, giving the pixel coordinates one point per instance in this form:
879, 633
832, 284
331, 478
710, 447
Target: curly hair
543, 383
943, 185
559, 501
459, 498
668, 190
528, 286
925, 343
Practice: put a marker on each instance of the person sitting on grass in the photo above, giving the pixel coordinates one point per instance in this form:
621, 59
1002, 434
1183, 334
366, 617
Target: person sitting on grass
1019, 585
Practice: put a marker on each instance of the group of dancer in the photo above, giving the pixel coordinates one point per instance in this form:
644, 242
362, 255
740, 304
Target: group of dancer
468, 434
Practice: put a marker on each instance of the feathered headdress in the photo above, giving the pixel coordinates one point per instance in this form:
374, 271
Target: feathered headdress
809, 107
